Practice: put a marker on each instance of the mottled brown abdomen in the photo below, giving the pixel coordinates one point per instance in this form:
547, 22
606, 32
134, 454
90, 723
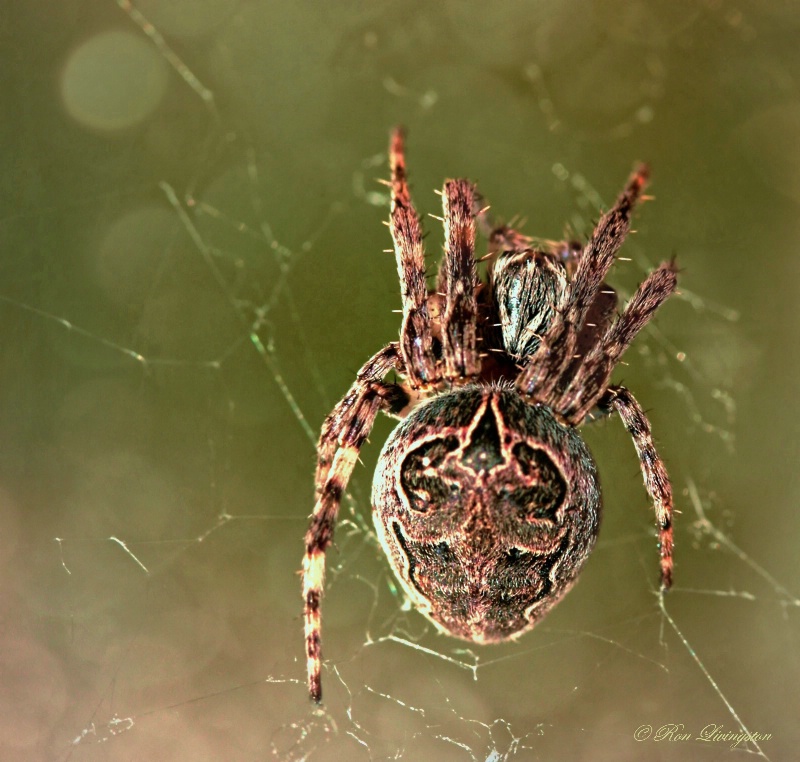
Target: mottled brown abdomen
487, 507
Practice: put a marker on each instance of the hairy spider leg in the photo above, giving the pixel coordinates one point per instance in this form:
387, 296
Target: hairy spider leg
505, 241
373, 370
416, 338
344, 432
458, 279
594, 371
545, 370
656, 480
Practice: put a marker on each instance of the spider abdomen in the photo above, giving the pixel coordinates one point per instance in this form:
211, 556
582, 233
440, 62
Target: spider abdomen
487, 507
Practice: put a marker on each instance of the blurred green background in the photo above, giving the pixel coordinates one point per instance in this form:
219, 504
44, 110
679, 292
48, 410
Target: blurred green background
192, 269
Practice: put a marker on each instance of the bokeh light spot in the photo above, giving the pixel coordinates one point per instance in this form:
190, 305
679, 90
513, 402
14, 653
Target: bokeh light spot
113, 81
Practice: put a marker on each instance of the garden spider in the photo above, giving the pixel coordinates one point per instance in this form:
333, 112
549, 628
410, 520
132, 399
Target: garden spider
486, 499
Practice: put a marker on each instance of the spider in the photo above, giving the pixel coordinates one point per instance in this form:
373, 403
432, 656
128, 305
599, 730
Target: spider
486, 498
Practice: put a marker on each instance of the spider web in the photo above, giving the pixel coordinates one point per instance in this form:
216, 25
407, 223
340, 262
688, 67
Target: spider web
188, 295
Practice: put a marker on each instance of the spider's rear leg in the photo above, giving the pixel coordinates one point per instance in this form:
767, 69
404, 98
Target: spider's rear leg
656, 480
416, 341
343, 434
458, 281
543, 374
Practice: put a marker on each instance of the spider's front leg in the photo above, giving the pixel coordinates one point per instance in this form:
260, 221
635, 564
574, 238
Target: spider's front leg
546, 368
458, 280
656, 480
343, 434
594, 372
416, 336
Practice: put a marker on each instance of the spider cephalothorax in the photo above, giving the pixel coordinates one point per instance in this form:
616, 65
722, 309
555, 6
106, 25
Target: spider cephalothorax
486, 499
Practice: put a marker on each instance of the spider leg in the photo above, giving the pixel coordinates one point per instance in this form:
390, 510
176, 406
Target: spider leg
595, 370
458, 280
557, 257
416, 340
541, 376
373, 370
656, 480
343, 434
